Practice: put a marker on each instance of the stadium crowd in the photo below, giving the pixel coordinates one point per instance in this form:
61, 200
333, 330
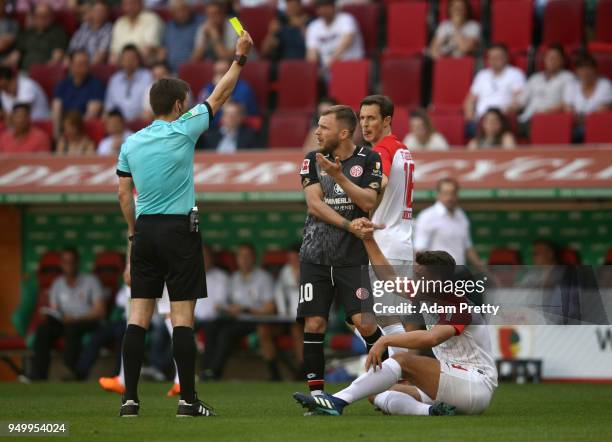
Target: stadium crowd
75, 75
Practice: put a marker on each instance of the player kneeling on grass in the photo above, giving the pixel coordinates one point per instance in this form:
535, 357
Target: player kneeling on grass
460, 379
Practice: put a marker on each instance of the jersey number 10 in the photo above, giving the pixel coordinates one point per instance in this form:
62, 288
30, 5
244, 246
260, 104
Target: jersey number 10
306, 292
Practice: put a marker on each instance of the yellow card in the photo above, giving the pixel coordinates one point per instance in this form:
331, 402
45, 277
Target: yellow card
236, 25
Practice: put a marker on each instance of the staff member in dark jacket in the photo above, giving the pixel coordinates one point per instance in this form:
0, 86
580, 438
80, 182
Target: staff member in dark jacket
162, 226
232, 134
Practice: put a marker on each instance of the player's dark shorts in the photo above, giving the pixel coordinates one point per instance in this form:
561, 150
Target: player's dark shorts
321, 284
164, 250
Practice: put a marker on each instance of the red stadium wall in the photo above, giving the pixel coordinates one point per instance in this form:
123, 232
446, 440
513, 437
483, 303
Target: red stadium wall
10, 273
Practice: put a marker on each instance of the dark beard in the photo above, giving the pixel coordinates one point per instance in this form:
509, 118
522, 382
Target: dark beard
331, 147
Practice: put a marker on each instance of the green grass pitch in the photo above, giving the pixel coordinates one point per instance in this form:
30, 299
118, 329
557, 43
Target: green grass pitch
266, 412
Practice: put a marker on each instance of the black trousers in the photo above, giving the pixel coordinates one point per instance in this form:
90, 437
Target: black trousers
47, 333
104, 335
222, 335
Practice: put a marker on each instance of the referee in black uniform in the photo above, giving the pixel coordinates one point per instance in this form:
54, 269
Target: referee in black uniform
164, 241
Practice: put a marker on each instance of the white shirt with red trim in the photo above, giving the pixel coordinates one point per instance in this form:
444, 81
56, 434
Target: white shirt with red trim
469, 348
395, 209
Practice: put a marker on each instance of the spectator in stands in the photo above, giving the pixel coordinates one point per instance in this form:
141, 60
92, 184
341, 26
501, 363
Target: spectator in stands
18, 88
74, 140
127, 86
76, 307
310, 142
94, 34
44, 42
287, 294
494, 132
496, 86
215, 38
444, 226
589, 92
56, 5
79, 91
242, 94
159, 70
21, 136
251, 293
459, 35
233, 133
286, 34
544, 90
333, 36
116, 133
179, 34
423, 134
8, 32
137, 27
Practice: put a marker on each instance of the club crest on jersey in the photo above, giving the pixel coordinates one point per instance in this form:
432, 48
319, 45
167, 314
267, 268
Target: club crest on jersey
362, 293
338, 190
356, 171
305, 166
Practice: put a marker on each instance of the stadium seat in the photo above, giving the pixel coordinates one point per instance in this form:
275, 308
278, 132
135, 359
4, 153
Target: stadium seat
288, 129
257, 74
551, 128
443, 8
452, 78
95, 130
197, 73
297, 85
226, 260
604, 63
68, 20
257, 20
401, 80
401, 122
563, 23
608, 257
512, 24
46, 126
598, 127
108, 267
406, 28
274, 258
504, 257
451, 126
103, 72
350, 81
603, 18
368, 17
49, 268
164, 13
47, 76
569, 257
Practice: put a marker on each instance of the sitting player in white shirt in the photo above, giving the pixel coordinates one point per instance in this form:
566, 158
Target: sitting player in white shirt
461, 379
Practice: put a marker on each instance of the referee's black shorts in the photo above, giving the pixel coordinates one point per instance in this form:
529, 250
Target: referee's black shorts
164, 250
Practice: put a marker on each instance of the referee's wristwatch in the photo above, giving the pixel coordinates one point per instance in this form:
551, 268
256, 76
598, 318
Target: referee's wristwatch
240, 59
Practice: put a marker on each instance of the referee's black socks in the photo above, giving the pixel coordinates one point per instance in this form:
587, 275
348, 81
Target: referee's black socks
371, 340
184, 348
314, 361
133, 354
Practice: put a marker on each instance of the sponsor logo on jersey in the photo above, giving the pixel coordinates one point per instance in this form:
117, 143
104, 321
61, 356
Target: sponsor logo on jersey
377, 165
305, 181
305, 166
338, 189
362, 293
356, 171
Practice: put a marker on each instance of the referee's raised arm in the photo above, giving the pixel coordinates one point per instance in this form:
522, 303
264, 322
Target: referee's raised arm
226, 85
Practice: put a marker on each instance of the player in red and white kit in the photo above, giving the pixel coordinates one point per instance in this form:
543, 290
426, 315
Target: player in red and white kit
461, 378
394, 208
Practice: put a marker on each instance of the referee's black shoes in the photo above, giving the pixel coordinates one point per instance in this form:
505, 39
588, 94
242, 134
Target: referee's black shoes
129, 408
195, 409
